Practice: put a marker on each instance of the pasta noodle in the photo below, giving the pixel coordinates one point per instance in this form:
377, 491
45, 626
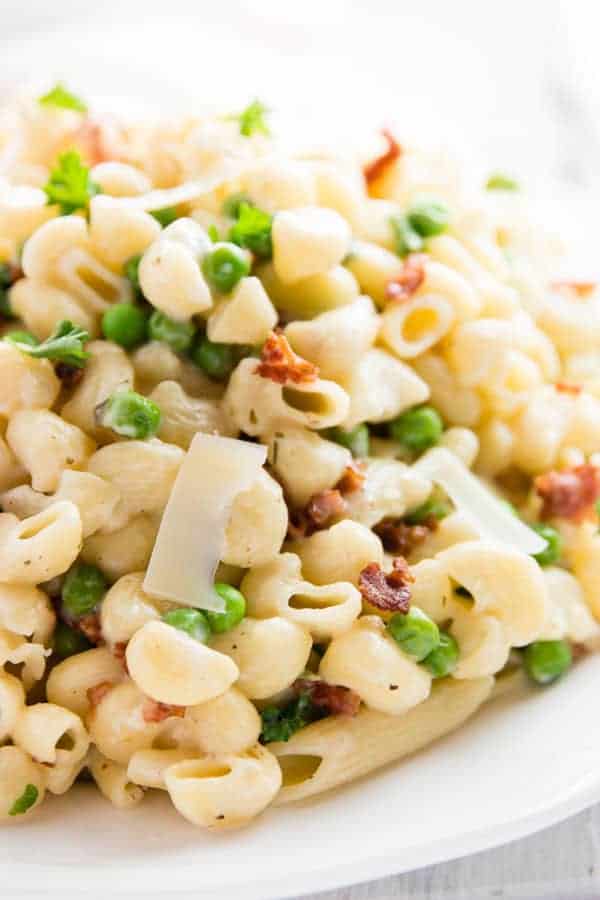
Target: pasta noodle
299, 458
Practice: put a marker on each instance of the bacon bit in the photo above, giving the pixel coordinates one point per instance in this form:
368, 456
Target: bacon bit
377, 167
579, 651
570, 494
334, 698
69, 375
410, 279
324, 507
154, 711
97, 693
119, 653
352, 480
563, 388
90, 627
581, 289
388, 592
282, 365
97, 140
398, 537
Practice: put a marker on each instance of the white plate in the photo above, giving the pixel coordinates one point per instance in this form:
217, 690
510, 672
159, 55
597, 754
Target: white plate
516, 768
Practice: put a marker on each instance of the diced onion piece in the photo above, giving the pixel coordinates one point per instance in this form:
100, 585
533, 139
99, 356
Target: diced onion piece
487, 514
191, 538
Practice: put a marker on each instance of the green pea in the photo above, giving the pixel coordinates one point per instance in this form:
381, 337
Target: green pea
22, 337
235, 609
217, 360
428, 217
406, 239
417, 429
125, 324
545, 661
129, 414
178, 335
67, 641
432, 508
224, 266
443, 660
554, 543
131, 271
192, 621
83, 589
415, 633
356, 440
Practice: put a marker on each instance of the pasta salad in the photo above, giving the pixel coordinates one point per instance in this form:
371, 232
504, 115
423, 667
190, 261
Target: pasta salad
299, 458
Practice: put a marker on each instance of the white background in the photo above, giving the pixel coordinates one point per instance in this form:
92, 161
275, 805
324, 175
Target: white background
513, 83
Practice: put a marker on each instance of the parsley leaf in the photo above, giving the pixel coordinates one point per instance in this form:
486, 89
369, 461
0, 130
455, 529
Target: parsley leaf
213, 233
253, 230
406, 239
62, 98
64, 345
70, 185
498, 181
165, 216
25, 801
280, 723
252, 119
6, 280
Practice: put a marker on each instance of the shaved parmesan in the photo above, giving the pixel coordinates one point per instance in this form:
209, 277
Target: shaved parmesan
191, 538
488, 515
189, 191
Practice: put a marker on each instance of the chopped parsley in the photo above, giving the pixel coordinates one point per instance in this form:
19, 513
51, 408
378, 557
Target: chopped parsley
253, 119
279, 723
70, 185
213, 233
25, 801
165, 216
406, 238
6, 279
64, 345
62, 98
131, 270
253, 230
500, 182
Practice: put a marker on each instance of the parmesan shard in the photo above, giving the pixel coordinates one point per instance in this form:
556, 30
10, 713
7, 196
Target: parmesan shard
191, 537
488, 515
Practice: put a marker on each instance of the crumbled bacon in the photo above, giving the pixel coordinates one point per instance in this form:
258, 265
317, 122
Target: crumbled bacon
119, 653
98, 140
279, 362
410, 279
324, 507
373, 170
352, 480
154, 711
387, 591
564, 388
579, 289
90, 626
97, 693
332, 698
68, 375
569, 494
400, 538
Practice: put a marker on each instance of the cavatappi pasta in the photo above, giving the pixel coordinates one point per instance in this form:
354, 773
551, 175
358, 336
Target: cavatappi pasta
299, 458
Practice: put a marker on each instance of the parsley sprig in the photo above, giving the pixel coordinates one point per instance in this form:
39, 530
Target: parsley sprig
253, 230
253, 119
62, 98
25, 801
70, 185
65, 345
279, 723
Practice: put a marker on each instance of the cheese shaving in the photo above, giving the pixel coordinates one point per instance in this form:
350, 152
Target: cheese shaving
191, 537
488, 515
